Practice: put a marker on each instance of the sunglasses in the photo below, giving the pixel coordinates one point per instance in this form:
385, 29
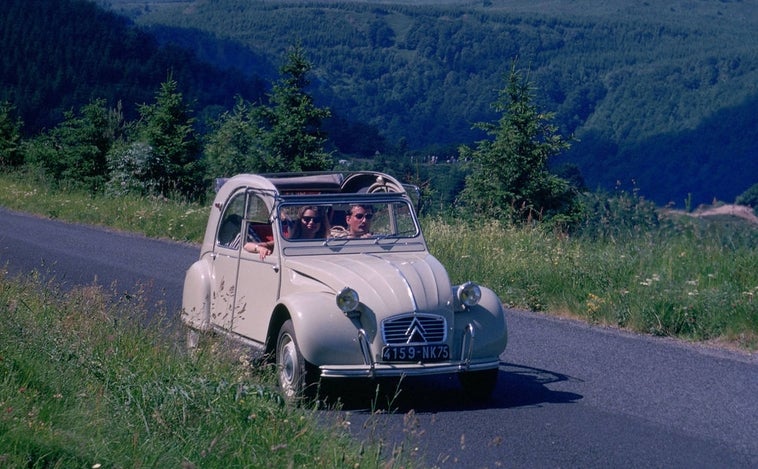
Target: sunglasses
360, 216
310, 219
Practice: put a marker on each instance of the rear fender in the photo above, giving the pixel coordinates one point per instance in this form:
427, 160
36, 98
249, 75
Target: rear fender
196, 301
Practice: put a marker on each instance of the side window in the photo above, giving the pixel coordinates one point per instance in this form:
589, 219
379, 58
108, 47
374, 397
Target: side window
231, 223
257, 212
258, 220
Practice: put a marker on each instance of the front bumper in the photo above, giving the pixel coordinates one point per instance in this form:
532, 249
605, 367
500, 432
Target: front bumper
378, 370
373, 369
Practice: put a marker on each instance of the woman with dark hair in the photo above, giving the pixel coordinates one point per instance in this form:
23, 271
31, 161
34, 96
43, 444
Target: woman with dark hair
311, 223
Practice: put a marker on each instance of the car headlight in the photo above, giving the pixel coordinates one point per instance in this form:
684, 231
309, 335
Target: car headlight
469, 294
347, 300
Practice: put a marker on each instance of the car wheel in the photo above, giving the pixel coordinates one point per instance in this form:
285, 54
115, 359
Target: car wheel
294, 373
478, 384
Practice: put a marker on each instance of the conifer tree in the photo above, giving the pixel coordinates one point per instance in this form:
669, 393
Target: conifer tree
167, 127
510, 178
294, 136
237, 143
10, 136
74, 152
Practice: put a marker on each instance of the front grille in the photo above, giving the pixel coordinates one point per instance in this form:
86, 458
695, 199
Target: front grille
414, 329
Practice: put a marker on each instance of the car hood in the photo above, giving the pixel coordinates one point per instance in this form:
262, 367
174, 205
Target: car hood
390, 282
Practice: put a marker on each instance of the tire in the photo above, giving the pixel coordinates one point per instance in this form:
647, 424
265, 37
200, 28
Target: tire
295, 375
478, 385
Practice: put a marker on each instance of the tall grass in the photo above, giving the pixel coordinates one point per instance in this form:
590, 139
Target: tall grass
681, 280
86, 381
153, 216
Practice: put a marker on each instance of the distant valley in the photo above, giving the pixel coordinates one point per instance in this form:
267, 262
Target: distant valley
660, 96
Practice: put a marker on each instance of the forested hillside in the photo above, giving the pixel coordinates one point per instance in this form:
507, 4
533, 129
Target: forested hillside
57, 55
659, 93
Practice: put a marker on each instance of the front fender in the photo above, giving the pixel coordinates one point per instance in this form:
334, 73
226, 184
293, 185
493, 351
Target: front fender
324, 333
196, 301
489, 323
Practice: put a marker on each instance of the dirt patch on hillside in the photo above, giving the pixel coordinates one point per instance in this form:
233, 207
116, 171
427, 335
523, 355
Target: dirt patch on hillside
730, 210
740, 211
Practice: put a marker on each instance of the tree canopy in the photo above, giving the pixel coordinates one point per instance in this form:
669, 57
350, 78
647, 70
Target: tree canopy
510, 179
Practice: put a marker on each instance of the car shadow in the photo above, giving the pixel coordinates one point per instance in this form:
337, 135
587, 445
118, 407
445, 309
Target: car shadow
517, 386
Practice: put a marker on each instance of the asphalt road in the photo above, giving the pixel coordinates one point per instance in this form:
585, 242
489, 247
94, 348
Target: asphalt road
568, 395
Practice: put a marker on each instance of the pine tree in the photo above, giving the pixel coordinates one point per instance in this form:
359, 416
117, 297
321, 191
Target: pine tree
10, 136
510, 178
236, 144
74, 152
295, 138
167, 127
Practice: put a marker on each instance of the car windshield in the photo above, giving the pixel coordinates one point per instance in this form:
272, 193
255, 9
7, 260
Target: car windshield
347, 220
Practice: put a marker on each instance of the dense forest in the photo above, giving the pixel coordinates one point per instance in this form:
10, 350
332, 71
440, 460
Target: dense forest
56, 56
659, 96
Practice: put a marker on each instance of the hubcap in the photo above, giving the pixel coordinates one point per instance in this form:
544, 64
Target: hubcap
288, 364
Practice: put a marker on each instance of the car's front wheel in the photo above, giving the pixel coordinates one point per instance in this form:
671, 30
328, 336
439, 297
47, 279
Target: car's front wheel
294, 373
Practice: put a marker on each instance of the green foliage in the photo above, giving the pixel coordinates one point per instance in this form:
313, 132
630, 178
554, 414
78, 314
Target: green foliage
749, 197
128, 165
166, 126
618, 216
59, 55
10, 136
658, 93
294, 135
509, 178
283, 135
74, 153
236, 143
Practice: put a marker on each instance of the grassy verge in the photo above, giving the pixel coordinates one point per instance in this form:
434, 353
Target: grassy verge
152, 216
83, 383
683, 280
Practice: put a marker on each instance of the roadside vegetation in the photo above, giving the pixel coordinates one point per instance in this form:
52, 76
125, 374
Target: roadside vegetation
87, 380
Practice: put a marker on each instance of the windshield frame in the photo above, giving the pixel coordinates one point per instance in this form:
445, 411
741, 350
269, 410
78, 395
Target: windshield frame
395, 215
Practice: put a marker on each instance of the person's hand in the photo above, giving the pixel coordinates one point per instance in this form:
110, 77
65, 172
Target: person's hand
263, 250
260, 248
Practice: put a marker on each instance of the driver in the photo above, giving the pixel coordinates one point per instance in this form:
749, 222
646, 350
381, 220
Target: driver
359, 221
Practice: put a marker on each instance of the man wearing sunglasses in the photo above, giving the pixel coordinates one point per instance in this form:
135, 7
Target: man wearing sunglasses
359, 221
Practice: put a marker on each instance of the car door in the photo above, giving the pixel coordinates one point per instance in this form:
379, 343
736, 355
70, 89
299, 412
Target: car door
225, 261
257, 286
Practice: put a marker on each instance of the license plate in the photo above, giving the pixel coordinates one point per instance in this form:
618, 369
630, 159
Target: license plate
415, 353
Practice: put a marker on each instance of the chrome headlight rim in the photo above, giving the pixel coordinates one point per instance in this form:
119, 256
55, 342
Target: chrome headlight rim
469, 294
347, 300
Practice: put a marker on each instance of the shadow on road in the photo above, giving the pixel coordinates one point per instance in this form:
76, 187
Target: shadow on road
517, 386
